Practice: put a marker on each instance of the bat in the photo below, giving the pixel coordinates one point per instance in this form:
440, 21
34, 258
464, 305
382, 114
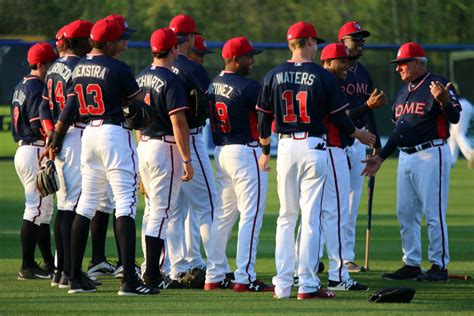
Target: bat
464, 277
370, 197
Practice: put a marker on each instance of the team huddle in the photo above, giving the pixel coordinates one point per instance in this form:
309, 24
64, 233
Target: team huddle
80, 110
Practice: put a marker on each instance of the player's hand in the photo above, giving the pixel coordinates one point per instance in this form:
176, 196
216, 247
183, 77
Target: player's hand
376, 151
263, 162
440, 92
365, 137
373, 164
48, 153
376, 99
188, 172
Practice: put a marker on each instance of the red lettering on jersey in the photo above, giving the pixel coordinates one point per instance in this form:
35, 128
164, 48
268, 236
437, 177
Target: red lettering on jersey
361, 88
290, 116
98, 108
147, 99
59, 94
416, 108
419, 108
223, 117
16, 115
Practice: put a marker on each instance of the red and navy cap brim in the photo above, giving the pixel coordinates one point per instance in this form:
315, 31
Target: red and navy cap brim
399, 60
126, 35
362, 33
203, 52
255, 51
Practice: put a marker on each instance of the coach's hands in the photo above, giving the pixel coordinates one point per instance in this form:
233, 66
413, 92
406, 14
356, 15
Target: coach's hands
188, 172
440, 92
373, 164
263, 162
377, 99
364, 136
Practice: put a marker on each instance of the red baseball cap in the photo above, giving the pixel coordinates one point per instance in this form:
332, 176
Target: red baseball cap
352, 28
334, 51
162, 40
60, 36
122, 21
409, 51
303, 30
78, 29
183, 24
200, 46
108, 31
239, 46
41, 53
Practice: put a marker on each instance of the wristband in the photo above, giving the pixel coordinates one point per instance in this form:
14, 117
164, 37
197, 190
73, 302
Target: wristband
188, 161
265, 149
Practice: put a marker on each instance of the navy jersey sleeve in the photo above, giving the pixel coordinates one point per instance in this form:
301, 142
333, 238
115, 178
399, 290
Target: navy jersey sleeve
71, 110
44, 110
128, 84
252, 93
34, 99
264, 102
176, 97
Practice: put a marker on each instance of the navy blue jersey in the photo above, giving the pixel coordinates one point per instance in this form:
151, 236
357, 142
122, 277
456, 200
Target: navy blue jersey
100, 86
417, 115
299, 95
164, 92
196, 81
25, 104
57, 79
233, 98
357, 87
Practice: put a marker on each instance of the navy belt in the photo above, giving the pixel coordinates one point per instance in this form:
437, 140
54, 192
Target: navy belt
417, 148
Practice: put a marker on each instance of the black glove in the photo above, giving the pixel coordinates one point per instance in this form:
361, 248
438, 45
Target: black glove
46, 180
393, 295
136, 115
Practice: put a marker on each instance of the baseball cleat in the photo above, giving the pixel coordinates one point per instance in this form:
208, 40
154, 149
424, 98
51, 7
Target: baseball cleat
404, 273
348, 285
255, 286
136, 288
100, 269
82, 285
318, 294
118, 273
354, 267
435, 273
34, 272
64, 281
56, 278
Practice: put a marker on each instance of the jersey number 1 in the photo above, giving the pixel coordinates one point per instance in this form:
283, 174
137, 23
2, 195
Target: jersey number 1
98, 108
290, 115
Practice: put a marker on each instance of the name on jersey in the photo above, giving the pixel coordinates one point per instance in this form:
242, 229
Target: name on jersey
221, 89
19, 96
94, 71
62, 70
416, 108
151, 81
297, 77
359, 88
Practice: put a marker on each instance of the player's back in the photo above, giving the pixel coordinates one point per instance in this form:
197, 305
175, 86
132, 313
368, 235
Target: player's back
300, 94
25, 101
156, 83
233, 117
100, 84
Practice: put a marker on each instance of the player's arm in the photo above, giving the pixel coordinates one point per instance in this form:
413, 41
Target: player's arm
34, 101
265, 119
181, 136
372, 127
374, 162
68, 116
376, 100
45, 114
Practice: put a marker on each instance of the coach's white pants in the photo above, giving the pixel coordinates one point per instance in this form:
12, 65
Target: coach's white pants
422, 190
301, 173
458, 133
356, 154
108, 156
38, 210
335, 212
200, 196
241, 190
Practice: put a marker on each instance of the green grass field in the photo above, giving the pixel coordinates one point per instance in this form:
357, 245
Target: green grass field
454, 297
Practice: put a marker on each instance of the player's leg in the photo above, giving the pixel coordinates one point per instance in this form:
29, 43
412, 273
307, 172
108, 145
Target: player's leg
312, 177
288, 193
356, 155
460, 134
250, 185
193, 240
432, 181
224, 219
27, 165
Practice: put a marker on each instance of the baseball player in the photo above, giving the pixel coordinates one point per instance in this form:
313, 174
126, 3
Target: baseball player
200, 50
27, 132
357, 87
164, 153
335, 207
199, 194
241, 185
72, 41
99, 85
422, 111
299, 94
458, 140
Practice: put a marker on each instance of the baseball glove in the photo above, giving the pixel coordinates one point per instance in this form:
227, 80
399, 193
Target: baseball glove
393, 295
194, 279
136, 115
46, 180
